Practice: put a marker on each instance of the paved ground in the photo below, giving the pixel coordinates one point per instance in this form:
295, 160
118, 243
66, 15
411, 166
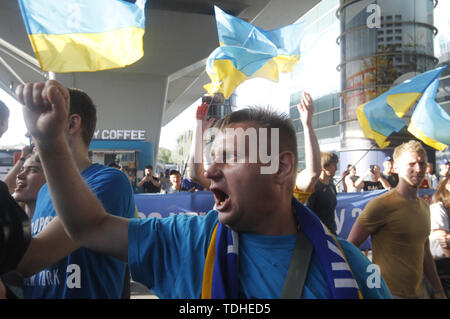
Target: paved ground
139, 291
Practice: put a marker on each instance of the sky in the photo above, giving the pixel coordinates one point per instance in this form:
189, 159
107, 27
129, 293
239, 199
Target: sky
252, 92
16, 132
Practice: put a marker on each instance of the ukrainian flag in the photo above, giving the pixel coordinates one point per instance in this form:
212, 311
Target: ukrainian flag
381, 116
84, 35
247, 52
430, 122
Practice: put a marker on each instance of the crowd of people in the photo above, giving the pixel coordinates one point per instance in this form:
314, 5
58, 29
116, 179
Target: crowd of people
262, 226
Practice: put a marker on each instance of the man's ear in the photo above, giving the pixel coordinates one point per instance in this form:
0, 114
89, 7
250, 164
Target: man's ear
74, 123
286, 168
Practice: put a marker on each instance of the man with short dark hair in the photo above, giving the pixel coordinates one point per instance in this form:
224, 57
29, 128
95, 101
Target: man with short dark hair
150, 183
248, 240
176, 185
376, 181
58, 267
323, 200
388, 172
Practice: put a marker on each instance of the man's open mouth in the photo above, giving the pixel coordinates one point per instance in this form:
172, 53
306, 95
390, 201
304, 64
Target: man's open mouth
20, 186
221, 198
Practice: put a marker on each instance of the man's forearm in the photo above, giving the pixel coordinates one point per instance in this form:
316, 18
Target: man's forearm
312, 158
430, 272
195, 165
384, 182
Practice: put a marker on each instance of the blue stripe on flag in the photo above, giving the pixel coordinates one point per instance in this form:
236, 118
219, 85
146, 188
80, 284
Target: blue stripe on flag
81, 16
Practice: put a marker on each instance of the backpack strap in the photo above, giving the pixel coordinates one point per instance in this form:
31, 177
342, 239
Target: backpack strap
298, 268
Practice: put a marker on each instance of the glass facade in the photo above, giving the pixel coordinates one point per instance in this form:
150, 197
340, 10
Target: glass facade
318, 76
356, 50
382, 42
442, 52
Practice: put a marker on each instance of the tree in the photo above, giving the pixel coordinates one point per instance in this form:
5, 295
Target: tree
165, 155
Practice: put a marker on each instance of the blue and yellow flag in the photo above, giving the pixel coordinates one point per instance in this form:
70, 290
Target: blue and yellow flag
247, 52
381, 116
430, 122
84, 35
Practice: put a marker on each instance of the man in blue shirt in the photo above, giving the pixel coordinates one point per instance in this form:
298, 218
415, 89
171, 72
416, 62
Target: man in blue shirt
255, 219
55, 265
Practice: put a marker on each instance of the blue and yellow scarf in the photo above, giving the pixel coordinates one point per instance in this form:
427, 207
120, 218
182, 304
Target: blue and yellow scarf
221, 273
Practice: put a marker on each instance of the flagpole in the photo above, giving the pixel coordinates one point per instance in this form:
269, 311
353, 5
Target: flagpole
373, 145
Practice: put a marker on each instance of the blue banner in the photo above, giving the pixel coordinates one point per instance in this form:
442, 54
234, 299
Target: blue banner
165, 205
349, 206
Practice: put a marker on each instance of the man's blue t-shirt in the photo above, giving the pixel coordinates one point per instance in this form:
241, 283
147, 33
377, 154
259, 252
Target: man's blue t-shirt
168, 256
84, 273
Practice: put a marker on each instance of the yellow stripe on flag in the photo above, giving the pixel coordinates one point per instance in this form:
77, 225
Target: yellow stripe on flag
401, 102
83, 52
368, 132
225, 78
414, 130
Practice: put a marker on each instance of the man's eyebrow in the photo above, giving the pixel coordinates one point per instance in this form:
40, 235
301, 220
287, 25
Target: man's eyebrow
32, 166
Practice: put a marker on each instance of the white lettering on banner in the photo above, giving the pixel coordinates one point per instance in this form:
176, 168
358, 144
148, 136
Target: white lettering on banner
143, 215
74, 279
340, 218
356, 211
119, 134
154, 214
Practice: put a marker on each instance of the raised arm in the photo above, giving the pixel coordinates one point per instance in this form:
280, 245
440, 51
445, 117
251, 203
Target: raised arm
384, 181
196, 168
307, 178
46, 116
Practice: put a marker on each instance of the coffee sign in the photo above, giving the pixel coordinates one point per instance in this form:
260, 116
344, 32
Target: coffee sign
110, 134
